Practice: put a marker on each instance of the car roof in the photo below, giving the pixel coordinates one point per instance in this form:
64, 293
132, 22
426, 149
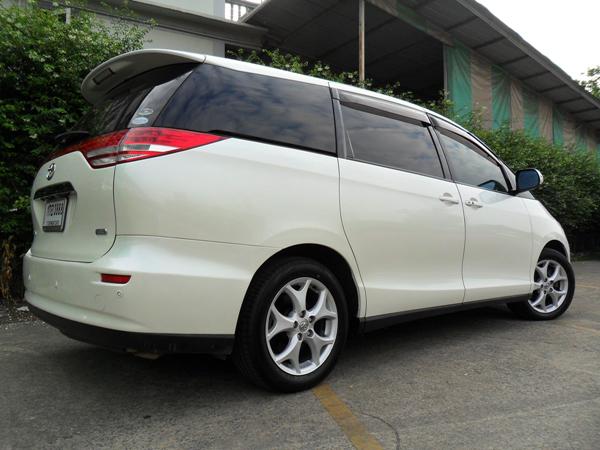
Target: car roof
102, 79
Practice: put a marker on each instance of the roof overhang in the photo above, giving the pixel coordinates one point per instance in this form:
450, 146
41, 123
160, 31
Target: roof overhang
328, 30
181, 20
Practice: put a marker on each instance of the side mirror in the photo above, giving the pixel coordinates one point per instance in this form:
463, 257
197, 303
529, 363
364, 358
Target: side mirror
528, 179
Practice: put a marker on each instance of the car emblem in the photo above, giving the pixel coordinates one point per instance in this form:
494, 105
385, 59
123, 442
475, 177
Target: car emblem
51, 169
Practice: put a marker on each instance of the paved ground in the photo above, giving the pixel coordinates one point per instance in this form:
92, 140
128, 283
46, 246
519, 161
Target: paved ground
480, 379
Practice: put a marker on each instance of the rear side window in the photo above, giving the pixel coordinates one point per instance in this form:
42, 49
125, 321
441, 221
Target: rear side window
391, 142
470, 164
219, 100
136, 102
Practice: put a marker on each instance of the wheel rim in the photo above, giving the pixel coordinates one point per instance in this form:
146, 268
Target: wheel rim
301, 326
551, 285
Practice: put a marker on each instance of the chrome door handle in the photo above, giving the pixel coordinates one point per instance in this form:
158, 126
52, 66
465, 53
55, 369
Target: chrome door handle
473, 203
447, 198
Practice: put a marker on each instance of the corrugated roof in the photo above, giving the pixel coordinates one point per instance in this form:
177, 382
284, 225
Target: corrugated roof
326, 29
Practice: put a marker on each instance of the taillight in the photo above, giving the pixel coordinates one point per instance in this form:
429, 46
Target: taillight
102, 151
142, 143
135, 144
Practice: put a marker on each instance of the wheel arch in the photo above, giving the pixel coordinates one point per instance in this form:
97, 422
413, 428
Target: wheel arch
558, 246
330, 258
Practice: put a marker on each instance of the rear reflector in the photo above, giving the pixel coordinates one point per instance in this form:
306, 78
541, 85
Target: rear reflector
135, 144
115, 279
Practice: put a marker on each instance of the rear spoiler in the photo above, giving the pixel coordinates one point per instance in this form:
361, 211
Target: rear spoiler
113, 72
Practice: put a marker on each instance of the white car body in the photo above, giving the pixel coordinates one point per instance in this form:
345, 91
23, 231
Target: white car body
192, 229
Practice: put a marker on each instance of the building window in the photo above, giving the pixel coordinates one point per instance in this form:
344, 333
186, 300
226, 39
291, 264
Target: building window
236, 9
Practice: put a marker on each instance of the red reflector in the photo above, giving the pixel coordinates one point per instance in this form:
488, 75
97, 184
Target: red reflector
135, 144
116, 279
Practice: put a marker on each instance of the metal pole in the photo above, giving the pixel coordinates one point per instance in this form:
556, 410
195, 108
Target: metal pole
361, 40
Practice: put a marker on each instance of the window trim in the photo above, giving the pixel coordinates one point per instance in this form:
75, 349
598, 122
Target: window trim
383, 107
491, 156
338, 123
441, 153
346, 153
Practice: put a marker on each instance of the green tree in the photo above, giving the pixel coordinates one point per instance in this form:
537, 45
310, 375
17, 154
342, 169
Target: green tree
43, 61
592, 83
571, 189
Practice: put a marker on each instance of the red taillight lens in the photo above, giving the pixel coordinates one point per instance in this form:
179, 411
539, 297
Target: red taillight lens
99, 151
142, 143
115, 279
135, 144
102, 151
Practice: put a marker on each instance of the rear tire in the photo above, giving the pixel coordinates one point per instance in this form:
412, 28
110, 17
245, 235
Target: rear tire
554, 281
292, 326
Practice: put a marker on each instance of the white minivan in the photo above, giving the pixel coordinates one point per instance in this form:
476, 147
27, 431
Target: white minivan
213, 206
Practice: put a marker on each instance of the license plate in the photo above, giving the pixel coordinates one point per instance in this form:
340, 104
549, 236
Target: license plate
54, 214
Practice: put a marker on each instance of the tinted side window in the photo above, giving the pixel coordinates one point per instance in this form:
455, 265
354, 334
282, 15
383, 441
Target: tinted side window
152, 89
256, 106
470, 164
391, 142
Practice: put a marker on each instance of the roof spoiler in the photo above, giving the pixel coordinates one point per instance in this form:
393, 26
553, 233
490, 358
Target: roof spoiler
101, 80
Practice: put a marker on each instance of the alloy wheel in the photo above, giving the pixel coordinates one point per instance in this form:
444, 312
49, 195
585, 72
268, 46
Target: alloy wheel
301, 326
551, 286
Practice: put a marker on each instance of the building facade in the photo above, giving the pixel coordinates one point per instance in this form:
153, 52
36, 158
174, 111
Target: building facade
429, 46
197, 26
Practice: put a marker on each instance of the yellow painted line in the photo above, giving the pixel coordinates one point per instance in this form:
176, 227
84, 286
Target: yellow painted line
587, 286
347, 421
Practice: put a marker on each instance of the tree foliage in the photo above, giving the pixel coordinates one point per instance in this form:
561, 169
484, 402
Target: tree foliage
592, 83
571, 189
43, 61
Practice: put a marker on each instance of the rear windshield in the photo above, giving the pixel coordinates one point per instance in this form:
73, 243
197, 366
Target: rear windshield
220, 100
136, 102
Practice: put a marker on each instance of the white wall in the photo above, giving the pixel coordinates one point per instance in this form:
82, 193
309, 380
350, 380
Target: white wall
209, 7
178, 40
164, 37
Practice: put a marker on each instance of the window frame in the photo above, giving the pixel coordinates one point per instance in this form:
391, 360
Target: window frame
389, 110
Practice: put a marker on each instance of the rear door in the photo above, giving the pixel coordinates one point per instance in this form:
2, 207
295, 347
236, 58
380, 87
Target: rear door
72, 196
401, 214
498, 231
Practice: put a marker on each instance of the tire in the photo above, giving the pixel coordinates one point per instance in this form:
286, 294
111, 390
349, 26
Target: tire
263, 336
547, 302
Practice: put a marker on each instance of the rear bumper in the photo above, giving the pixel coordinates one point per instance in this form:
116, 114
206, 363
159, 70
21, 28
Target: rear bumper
138, 342
178, 288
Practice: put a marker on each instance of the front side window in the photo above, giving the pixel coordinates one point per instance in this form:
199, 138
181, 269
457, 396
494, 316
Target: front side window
390, 142
470, 164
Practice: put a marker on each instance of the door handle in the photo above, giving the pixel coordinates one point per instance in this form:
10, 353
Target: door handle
473, 203
447, 198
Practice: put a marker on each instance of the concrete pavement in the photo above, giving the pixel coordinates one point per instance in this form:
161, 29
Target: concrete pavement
480, 379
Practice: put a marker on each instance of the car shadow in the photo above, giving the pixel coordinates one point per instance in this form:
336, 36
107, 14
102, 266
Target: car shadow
195, 376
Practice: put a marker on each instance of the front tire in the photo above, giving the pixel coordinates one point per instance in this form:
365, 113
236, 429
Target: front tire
554, 286
292, 326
